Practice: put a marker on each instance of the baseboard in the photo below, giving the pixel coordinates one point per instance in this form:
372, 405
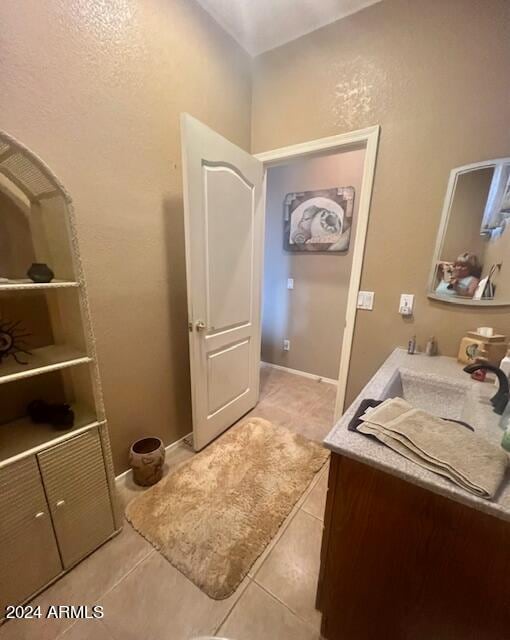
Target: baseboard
296, 372
168, 449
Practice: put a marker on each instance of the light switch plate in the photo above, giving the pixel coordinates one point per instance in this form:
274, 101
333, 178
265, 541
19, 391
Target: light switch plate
290, 283
366, 300
406, 304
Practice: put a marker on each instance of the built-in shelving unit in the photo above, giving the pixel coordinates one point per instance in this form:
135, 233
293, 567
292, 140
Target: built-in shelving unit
23, 284
54, 315
41, 361
37, 223
57, 485
32, 437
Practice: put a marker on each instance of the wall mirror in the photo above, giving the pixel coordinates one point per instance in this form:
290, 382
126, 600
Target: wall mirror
471, 263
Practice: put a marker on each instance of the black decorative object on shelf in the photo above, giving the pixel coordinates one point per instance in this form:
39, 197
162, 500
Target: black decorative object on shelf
60, 416
12, 340
40, 272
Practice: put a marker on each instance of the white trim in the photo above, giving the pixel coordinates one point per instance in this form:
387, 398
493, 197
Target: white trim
168, 450
368, 138
297, 372
302, 149
482, 164
26, 285
44, 368
490, 302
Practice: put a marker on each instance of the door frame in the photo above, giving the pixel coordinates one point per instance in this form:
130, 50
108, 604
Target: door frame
369, 139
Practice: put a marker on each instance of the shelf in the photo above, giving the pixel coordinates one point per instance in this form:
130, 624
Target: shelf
28, 285
23, 436
42, 360
467, 301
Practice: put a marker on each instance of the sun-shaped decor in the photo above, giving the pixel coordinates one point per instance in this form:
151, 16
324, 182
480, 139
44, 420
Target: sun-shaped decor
12, 340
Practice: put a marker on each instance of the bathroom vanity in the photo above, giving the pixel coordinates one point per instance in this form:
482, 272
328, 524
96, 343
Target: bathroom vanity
405, 553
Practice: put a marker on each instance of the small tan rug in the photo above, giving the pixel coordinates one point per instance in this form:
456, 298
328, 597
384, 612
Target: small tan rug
215, 514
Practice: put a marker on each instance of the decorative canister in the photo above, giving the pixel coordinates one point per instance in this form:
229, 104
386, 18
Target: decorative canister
492, 348
40, 272
146, 458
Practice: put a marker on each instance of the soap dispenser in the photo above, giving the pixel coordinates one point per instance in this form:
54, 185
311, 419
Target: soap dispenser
504, 423
431, 348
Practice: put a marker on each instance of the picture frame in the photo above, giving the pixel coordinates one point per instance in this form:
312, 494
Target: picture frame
319, 220
505, 198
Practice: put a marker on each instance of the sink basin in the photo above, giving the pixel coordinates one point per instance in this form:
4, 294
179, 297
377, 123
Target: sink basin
440, 396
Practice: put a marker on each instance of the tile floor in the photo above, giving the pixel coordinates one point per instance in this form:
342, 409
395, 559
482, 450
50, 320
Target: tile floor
144, 596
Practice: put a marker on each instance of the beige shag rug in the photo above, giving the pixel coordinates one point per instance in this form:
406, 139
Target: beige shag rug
214, 515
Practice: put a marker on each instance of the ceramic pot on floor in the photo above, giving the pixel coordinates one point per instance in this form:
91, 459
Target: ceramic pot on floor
146, 458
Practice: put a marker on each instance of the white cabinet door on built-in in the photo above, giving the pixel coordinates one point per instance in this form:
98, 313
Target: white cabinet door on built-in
224, 219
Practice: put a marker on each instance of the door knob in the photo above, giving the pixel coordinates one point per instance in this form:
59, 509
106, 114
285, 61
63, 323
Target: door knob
60, 503
39, 515
200, 325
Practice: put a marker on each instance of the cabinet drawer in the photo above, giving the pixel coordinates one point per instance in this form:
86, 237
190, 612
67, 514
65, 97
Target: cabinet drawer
29, 555
76, 486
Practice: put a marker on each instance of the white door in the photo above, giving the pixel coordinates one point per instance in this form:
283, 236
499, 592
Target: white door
224, 218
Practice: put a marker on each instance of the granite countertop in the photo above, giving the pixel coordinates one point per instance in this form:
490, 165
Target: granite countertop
479, 414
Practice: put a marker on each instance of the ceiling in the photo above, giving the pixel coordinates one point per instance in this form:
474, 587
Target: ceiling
259, 25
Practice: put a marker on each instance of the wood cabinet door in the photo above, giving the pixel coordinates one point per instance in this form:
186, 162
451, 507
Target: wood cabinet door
74, 478
29, 556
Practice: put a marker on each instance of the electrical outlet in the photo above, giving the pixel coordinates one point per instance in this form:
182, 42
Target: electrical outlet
406, 304
286, 345
366, 300
290, 283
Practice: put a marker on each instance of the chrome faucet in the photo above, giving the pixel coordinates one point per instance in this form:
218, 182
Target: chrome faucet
500, 400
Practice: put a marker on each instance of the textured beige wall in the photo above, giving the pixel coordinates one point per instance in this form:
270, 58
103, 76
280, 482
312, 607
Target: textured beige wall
434, 76
466, 213
311, 314
96, 88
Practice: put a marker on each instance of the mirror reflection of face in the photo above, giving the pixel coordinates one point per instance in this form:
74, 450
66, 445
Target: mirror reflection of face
460, 270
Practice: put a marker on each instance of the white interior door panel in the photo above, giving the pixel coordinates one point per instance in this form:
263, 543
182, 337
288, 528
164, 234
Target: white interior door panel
224, 216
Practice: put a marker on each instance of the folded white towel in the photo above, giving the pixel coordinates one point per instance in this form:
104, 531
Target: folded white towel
438, 445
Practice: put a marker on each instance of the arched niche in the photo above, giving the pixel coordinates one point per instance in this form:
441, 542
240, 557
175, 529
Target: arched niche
37, 225
34, 215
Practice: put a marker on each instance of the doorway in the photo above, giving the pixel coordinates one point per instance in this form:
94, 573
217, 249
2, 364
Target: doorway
310, 298
305, 291
224, 190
